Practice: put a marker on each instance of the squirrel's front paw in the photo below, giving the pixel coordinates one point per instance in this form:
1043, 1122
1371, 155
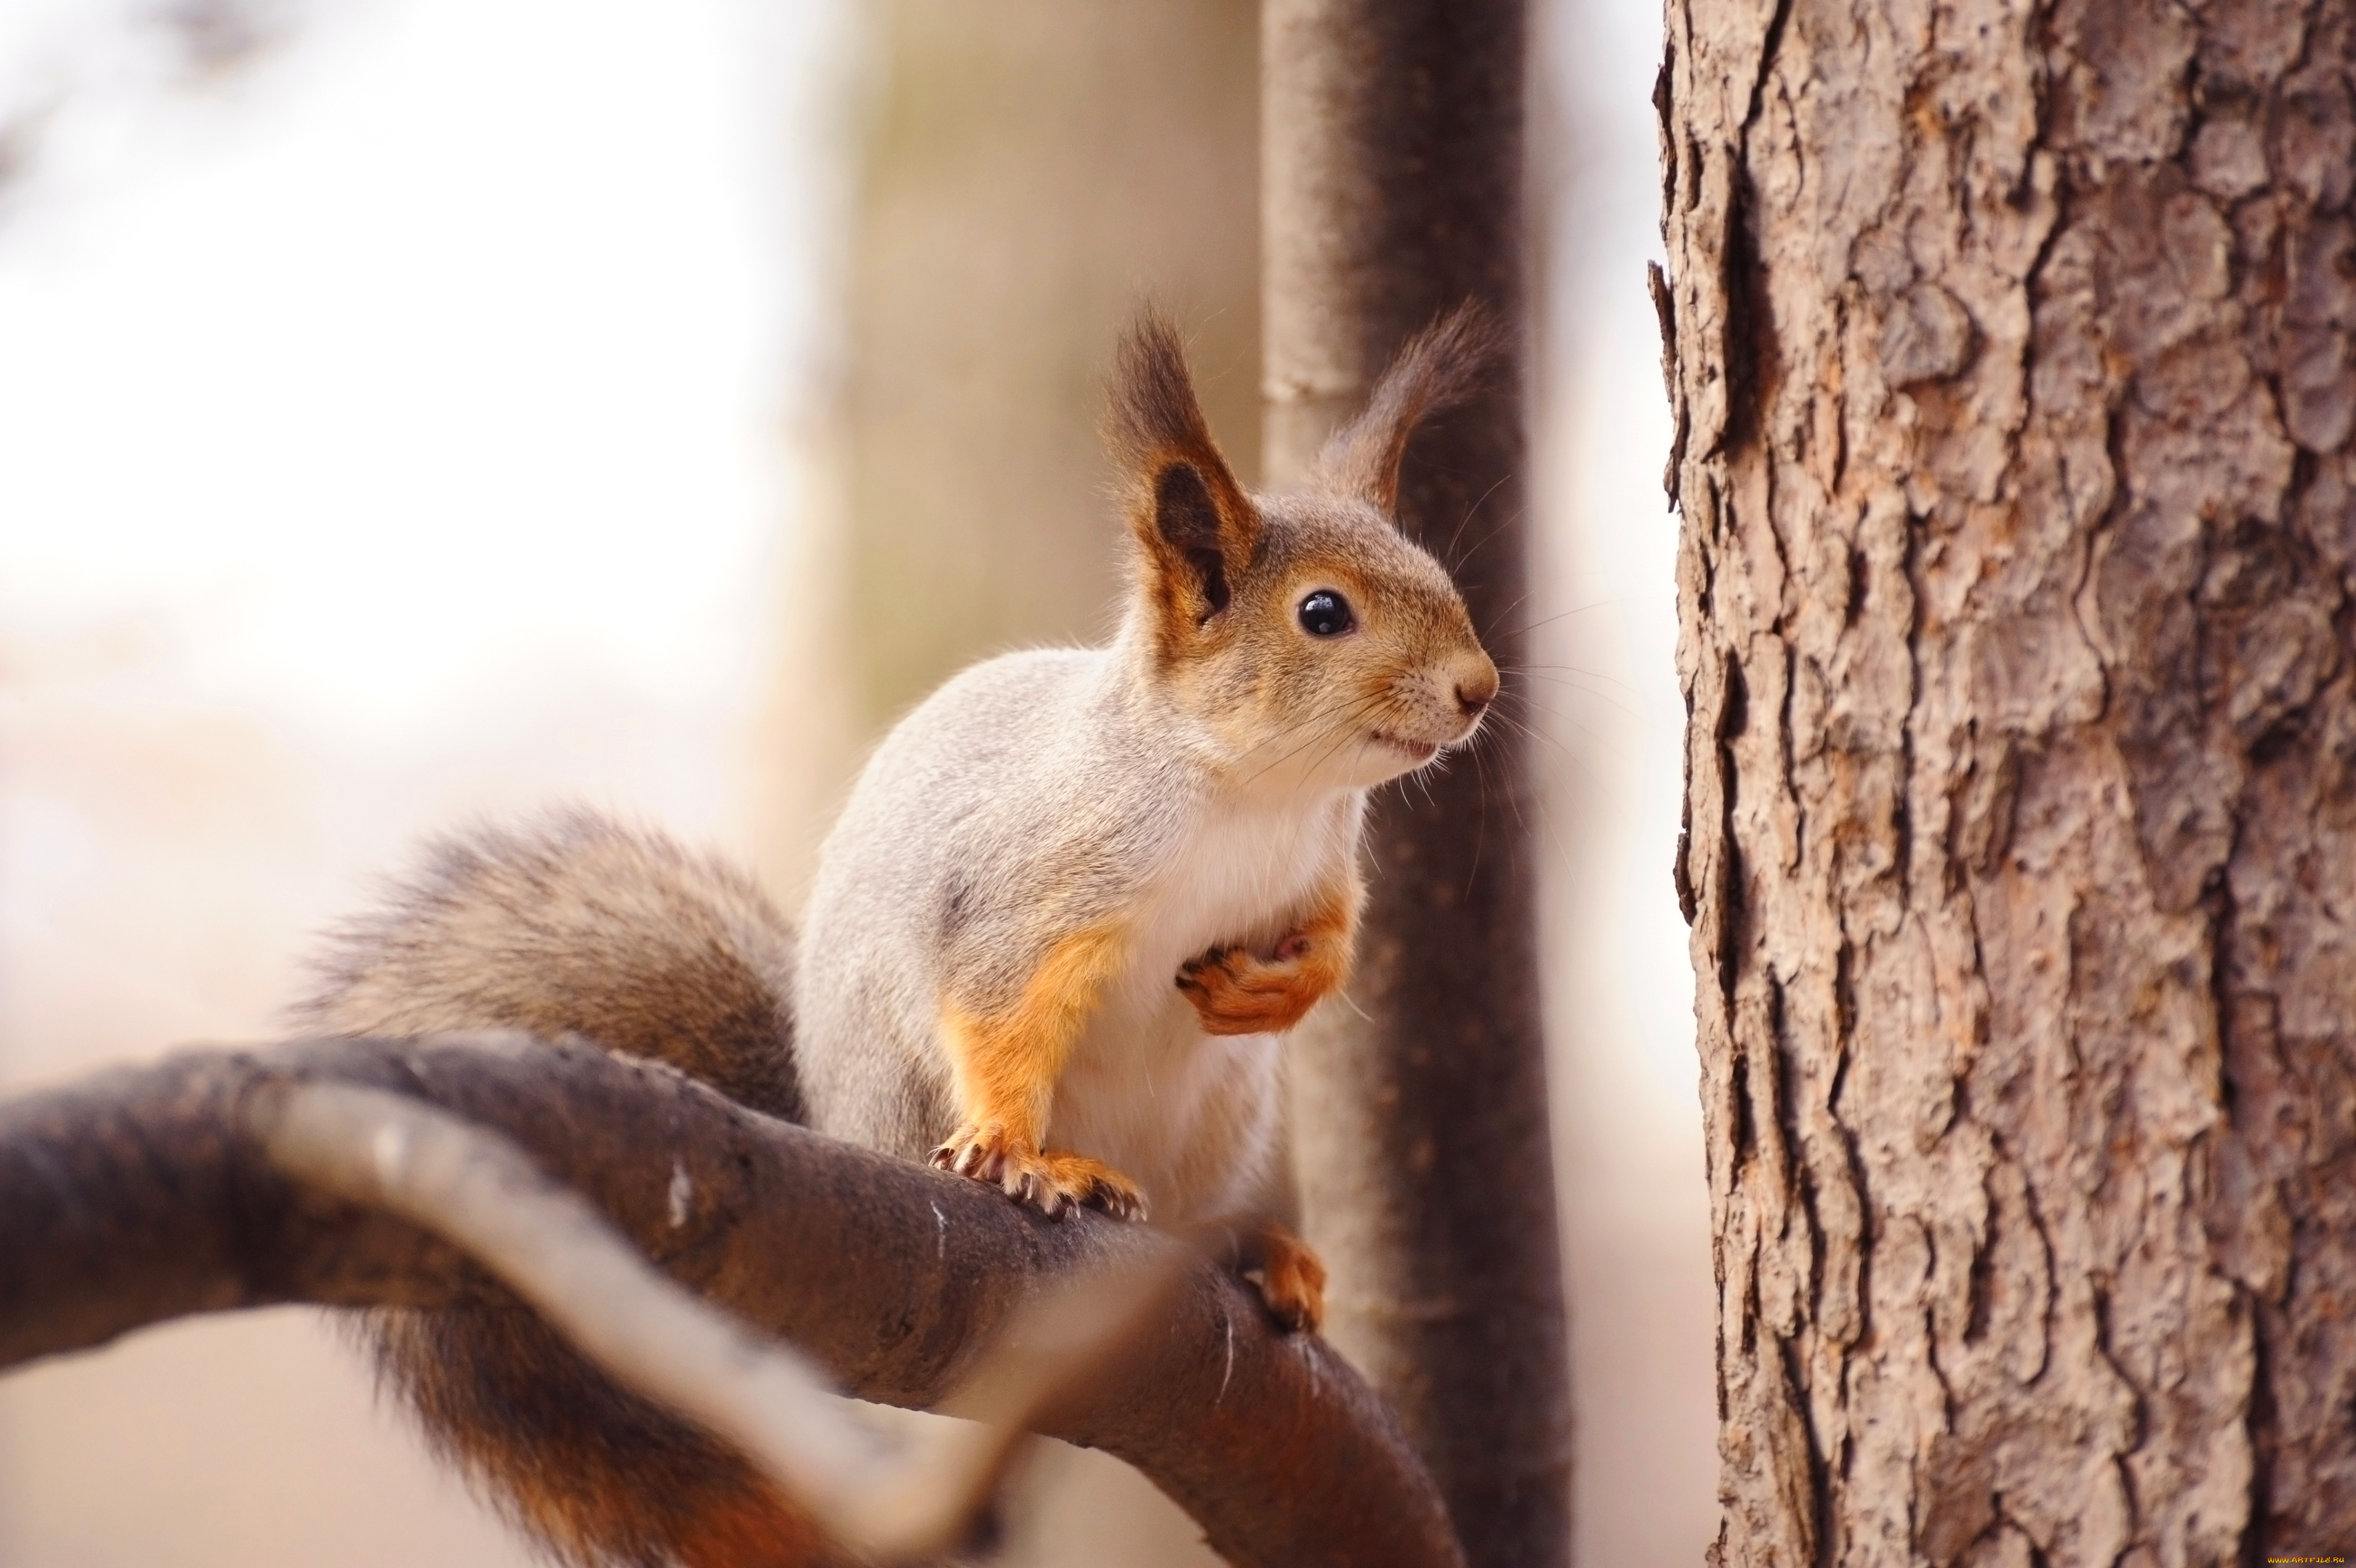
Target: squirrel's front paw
1050, 1183
1238, 992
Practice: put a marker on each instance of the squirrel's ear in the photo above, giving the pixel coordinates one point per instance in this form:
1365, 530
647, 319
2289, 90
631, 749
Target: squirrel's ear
1193, 523
1440, 366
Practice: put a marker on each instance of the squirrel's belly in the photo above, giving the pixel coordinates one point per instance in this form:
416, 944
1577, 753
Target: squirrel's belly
1192, 1118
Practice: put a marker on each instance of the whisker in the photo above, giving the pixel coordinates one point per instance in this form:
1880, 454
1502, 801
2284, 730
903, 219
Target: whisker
1504, 523
1546, 828
1575, 670
1603, 697
1528, 699
1450, 554
1292, 728
1340, 721
1480, 823
1578, 763
1489, 633
1310, 771
1296, 727
1534, 733
1364, 741
1565, 615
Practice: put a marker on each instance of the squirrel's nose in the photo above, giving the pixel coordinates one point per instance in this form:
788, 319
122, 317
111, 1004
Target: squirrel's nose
1477, 691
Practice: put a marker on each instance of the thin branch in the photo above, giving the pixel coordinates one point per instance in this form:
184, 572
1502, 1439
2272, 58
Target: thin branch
145, 1195
884, 1499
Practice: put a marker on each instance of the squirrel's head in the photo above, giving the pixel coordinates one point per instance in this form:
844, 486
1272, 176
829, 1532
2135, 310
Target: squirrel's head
1305, 632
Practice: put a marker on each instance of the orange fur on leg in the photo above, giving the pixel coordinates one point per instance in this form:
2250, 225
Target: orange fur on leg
1241, 992
1006, 1064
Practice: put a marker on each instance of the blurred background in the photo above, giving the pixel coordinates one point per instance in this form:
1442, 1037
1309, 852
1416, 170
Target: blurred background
416, 411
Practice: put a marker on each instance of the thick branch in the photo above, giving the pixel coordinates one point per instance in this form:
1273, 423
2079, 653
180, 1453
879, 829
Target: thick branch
137, 1197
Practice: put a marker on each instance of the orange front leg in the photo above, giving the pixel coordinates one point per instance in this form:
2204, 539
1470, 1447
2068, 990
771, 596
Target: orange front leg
1236, 991
1005, 1063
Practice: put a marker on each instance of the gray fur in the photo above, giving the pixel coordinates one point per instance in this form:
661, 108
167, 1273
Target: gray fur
1021, 802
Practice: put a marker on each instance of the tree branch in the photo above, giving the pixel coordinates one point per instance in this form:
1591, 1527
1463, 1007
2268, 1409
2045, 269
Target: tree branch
888, 1500
144, 1194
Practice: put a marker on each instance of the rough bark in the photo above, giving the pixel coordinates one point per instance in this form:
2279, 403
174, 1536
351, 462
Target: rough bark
2009, 351
139, 1196
1392, 191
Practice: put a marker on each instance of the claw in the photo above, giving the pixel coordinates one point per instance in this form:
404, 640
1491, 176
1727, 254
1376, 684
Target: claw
1053, 1184
1114, 1202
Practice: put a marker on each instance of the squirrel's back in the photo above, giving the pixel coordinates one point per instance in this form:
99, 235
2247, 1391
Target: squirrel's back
576, 925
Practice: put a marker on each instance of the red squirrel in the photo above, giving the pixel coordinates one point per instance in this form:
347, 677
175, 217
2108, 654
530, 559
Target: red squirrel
1073, 900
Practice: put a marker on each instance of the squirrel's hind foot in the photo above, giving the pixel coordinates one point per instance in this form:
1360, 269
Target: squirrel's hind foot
1050, 1182
1290, 1278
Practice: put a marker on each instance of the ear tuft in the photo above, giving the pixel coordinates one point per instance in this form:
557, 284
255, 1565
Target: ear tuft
1196, 526
1154, 410
1440, 366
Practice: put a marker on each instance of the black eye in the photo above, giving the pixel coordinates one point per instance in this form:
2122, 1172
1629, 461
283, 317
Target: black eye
1326, 614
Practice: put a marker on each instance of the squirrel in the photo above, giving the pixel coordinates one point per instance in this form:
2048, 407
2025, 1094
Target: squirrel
1072, 900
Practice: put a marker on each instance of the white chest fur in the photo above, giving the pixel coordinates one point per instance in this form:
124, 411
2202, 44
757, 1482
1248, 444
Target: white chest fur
1193, 1118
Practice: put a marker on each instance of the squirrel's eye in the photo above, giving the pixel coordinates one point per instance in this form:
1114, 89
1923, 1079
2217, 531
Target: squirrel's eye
1326, 614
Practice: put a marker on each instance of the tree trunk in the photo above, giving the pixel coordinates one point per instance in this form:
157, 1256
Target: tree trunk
1392, 191
2009, 349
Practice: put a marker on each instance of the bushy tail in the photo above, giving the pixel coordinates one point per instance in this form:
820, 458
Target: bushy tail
598, 1475
577, 925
